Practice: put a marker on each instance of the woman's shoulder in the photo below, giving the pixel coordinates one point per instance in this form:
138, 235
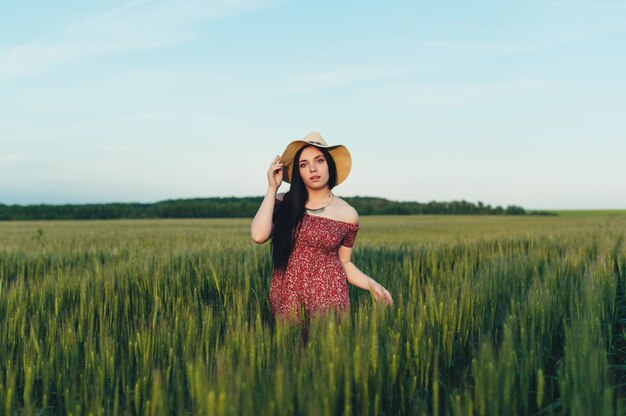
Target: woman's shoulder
346, 212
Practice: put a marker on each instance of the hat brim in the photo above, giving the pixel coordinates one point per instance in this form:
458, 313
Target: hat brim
339, 153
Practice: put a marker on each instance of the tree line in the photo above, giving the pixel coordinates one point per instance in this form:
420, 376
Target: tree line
244, 207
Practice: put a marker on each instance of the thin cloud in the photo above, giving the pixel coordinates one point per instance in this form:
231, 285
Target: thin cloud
11, 158
412, 96
297, 84
589, 6
137, 25
315, 81
474, 46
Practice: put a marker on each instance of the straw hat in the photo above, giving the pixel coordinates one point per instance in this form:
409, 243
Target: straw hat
339, 153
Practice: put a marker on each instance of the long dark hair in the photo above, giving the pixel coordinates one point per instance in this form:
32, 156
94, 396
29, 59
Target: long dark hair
288, 217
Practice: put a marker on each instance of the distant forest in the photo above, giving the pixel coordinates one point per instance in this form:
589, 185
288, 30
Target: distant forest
245, 207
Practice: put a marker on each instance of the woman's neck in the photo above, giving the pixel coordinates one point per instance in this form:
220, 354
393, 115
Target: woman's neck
319, 195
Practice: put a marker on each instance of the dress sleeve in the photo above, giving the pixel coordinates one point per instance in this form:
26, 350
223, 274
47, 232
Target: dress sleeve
350, 236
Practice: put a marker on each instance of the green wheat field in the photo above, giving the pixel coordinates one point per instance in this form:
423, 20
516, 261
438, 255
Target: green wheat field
492, 315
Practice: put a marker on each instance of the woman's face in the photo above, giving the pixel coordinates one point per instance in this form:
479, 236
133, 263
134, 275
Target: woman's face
313, 168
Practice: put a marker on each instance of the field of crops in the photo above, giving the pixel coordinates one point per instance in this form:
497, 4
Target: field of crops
492, 315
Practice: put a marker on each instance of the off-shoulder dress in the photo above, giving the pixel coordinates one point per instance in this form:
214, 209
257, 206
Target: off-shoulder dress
314, 280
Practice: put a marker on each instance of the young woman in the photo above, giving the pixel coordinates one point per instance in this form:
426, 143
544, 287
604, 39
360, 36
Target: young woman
312, 231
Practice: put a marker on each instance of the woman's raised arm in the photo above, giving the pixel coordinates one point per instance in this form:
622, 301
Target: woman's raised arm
261, 227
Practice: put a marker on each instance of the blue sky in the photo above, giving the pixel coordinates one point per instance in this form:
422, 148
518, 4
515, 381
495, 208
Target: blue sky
500, 102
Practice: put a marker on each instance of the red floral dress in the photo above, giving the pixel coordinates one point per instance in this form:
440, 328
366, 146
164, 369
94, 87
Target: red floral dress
314, 279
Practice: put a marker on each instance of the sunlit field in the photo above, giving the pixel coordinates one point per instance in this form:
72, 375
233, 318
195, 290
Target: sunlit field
492, 315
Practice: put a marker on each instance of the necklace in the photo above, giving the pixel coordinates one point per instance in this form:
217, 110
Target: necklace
321, 209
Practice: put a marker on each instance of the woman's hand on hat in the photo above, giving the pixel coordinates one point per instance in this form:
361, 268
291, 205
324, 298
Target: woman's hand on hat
275, 174
381, 294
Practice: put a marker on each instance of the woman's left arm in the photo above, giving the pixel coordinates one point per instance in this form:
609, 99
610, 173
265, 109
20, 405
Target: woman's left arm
360, 279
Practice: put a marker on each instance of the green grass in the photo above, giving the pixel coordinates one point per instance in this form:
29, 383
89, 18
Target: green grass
492, 315
591, 212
